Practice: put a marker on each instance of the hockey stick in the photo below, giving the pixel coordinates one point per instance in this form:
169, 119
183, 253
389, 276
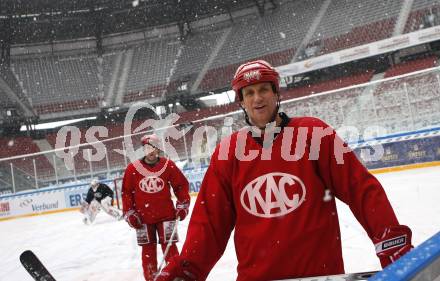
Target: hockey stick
35, 267
159, 270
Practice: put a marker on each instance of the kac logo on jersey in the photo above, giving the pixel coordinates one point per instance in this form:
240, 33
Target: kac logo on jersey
273, 195
151, 184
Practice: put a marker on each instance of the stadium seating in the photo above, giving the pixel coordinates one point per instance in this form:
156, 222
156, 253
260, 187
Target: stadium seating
65, 106
8, 77
56, 84
277, 31
108, 68
160, 65
218, 78
398, 102
283, 29
148, 93
21, 146
151, 68
411, 66
198, 114
323, 86
197, 49
359, 35
424, 97
80, 164
5, 101
352, 23
424, 14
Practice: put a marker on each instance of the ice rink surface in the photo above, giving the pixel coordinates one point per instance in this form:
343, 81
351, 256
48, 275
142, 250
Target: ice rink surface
107, 250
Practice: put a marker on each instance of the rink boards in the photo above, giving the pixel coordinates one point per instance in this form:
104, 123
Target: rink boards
64, 198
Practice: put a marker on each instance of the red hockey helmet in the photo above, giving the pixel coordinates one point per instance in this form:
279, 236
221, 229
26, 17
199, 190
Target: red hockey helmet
152, 140
254, 72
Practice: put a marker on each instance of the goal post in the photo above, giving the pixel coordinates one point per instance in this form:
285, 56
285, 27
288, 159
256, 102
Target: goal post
117, 185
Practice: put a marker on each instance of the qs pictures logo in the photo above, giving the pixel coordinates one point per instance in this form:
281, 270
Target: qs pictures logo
151, 184
273, 195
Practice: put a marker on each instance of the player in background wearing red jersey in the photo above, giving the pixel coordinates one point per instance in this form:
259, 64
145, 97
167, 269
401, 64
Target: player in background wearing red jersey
147, 203
276, 183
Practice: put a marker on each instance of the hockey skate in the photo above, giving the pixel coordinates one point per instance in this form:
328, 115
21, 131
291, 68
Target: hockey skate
86, 221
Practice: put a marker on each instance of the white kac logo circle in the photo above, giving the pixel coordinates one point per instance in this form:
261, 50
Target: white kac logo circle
151, 184
273, 195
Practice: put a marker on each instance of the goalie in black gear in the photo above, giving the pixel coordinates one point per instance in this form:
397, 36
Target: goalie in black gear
99, 196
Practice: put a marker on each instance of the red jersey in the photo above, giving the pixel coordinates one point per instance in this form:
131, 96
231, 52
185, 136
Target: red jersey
148, 191
284, 228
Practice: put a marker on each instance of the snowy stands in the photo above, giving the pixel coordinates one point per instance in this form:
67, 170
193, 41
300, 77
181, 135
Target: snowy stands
146, 94
283, 28
423, 15
23, 168
59, 84
408, 102
116, 159
197, 49
411, 66
151, 68
425, 100
327, 85
5, 101
359, 35
151, 65
352, 23
220, 77
7, 76
20, 146
82, 166
51, 82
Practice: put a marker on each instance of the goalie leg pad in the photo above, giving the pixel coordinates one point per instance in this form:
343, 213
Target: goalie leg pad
106, 205
84, 207
93, 210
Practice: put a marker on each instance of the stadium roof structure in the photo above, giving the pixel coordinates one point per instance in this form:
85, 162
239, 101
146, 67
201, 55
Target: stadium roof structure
32, 21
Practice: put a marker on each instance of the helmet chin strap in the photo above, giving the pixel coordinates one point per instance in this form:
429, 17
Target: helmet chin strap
272, 119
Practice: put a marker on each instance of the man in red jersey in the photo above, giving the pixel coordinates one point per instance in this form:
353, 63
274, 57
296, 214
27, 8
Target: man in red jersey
282, 206
147, 204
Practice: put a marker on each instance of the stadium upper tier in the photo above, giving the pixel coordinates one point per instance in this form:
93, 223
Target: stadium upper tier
57, 84
424, 13
154, 69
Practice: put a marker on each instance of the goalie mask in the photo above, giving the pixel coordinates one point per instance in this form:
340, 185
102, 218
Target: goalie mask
94, 184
